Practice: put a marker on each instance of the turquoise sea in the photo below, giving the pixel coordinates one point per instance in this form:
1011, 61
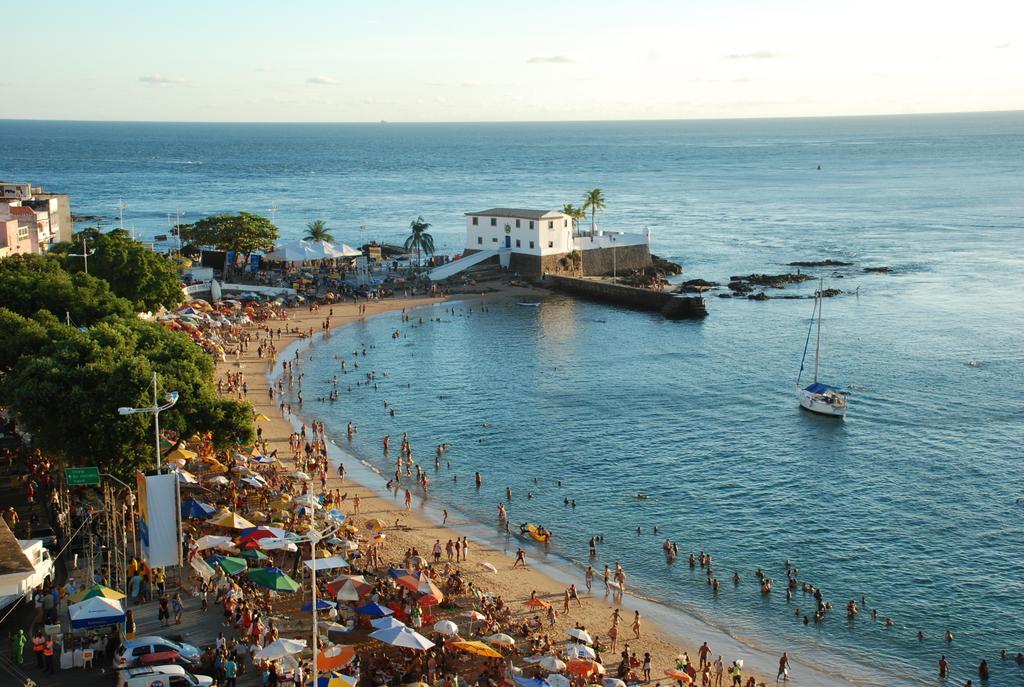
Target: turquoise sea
912, 501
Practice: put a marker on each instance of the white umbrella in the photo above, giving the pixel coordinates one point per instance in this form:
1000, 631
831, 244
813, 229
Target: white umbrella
327, 563
386, 622
348, 592
219, 479
447, 628
488, 567
280, 648
348, 545
348, 251
556, 680
300, 475
404, 637
581, 635
500, 639
277, 544
551, 664
612, 682
211, 541
580, 651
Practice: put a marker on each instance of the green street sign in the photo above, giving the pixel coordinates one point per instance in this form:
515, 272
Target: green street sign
80, 477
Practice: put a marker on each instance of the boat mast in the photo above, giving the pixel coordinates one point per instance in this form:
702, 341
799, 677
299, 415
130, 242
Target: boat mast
817, 343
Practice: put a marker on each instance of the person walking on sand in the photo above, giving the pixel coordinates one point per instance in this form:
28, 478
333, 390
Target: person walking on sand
704, 655
355, 504
408, 500
783, 668
589, 579
719, 671
636, 624
520, 558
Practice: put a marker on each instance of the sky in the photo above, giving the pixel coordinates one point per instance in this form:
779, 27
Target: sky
519, 60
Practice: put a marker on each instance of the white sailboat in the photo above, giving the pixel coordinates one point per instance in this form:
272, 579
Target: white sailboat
819, 397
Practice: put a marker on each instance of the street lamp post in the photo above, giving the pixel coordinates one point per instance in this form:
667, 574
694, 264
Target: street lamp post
314, 537
84, 254
156, 408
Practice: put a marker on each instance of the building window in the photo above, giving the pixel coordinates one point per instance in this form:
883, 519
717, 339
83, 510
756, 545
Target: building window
565, 222
517, 243
494, 240
494, 221
551, 224
476, 221
531, 224
531, 244
22, 232
517, 224
551, 244
479, 239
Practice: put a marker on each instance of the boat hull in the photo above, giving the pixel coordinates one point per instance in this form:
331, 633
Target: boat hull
822, 404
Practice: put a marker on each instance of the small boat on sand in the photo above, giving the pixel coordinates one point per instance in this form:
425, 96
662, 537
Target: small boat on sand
536, 531
528, 304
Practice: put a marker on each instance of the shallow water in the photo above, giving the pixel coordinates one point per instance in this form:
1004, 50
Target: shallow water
909, 501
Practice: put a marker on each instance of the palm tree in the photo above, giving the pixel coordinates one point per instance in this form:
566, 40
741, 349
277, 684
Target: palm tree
575, 214
593, 200
317, 231
419, 238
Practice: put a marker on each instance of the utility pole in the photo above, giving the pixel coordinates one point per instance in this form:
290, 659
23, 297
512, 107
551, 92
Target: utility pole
120, 207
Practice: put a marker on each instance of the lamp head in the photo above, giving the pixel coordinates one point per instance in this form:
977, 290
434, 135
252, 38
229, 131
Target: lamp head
126, 411
172, 397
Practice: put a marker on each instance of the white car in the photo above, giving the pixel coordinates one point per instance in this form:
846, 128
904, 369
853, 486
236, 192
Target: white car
134, 651
161, 676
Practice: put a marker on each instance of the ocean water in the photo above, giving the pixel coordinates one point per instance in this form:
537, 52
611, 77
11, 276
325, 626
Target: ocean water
911, 501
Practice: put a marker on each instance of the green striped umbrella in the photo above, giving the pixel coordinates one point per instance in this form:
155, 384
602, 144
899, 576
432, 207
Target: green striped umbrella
254, 555
273, 578
231, 565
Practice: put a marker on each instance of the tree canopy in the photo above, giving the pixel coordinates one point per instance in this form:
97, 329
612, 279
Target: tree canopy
419, 240
317, 231
133, 271
593, 200
243, 233
30, 283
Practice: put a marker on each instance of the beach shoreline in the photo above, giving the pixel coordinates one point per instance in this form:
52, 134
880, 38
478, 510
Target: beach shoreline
667, 631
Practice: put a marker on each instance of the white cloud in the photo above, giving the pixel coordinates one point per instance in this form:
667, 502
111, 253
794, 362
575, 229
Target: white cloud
162, 81
323, 81
755, 55
552, 59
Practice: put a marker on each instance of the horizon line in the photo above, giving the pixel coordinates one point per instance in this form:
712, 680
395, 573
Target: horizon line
515, 121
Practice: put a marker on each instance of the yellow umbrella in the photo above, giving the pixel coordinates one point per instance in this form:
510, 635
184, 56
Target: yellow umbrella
232, 520
258, 515
477, 648
376, 524
262, 418
96, 590
180, 454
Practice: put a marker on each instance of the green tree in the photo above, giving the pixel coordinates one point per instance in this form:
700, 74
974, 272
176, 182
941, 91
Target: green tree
31, 283
244, 233
143, 276
575, 214
593, 200
317, 231
419, 238
66, 391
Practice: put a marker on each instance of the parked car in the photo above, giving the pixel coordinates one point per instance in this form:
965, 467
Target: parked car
161, 676
141, 650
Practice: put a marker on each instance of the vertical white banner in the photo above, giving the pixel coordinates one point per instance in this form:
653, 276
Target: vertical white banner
162, 520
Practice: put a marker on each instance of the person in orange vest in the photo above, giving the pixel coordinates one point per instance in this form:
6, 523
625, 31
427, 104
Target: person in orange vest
48, 655
37, 647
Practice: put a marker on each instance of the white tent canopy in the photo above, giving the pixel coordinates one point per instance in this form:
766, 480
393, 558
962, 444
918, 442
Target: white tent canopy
302, 251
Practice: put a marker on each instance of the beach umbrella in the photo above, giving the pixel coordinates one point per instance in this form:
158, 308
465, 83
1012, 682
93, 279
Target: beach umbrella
446, 627
321, 605
531, 681
552, 664
580, 635
374, 609
254, 555
277, 544
612, 682
404, 637
333, 680
500, 639
280, 648
96, 590
680, 676
261, 418
430, 590
584, 667
376, 524
386, 622
346, 591
300, 475
344, 544
556, 680
260, 532
265, 460
230, 520
97, 611
329, 563
180, 454
580, 651
211, 541
488, 567
273, 578
229, 564
411, 581
190, 508
255, 480
477, 649
473, 615
220, 479
536, 603
335, 657
336, 514
186, 477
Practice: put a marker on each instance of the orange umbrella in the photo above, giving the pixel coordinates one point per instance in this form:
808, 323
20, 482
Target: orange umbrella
680, 675
536, 603
584, 667
477, 648
335, 657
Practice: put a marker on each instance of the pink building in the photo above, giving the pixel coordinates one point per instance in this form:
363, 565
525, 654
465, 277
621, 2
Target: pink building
21, 229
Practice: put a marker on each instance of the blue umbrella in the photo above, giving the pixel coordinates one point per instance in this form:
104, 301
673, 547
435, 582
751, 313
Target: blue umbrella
531, 682
196, 509
321, 605
374, 609
398, 572
336, 514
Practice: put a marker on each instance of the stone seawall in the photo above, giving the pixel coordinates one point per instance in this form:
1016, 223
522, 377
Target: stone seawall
672, 306
619, 260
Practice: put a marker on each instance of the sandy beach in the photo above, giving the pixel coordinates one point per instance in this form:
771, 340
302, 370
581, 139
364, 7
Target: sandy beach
595, 610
